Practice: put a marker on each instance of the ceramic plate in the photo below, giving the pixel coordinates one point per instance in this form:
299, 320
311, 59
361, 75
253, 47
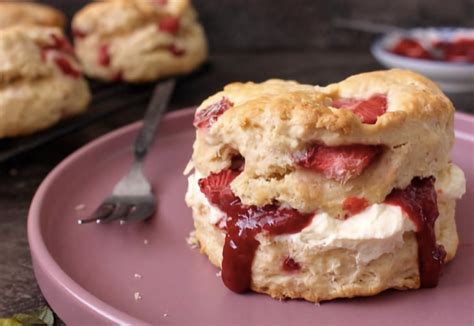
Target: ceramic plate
87, 273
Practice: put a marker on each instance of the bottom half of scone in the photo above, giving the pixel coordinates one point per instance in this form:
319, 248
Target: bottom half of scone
363, 255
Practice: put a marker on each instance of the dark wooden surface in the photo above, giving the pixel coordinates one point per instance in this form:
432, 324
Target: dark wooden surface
250, 40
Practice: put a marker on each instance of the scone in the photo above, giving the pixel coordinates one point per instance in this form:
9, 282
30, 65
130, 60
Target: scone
326, 192
40, 78
28, 13
138, 40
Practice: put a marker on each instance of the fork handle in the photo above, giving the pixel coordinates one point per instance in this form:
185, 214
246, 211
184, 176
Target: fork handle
155, 110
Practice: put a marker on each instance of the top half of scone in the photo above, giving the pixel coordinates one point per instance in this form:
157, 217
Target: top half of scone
312, 147
13, 13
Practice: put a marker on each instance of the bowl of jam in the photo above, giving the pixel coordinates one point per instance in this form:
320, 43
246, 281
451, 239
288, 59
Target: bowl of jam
445, 55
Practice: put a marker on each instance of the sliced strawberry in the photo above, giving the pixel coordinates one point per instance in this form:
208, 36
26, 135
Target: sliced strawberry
411, 48
354, 205
216, 187
368, 110
206, 117
169, 25
66, 66
103, 56
340, 163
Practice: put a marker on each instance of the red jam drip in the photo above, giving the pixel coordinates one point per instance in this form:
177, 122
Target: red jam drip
103, 56
206, 117
459, 50
169, 25
243, 224
290, 265
340, 163
368, 110
354, 205
419, 202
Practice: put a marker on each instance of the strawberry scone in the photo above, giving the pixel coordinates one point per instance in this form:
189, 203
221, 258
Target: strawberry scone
326, 192
41, 82
138, 40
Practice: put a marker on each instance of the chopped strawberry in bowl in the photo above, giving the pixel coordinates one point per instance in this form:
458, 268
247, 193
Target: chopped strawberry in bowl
445, 55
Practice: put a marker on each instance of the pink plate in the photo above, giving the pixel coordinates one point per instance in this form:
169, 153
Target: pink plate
87, 273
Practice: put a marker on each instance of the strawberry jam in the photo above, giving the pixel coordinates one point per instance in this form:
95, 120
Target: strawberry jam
419, 202
206, 117
340, 163
243, 224
354, 205
368, 110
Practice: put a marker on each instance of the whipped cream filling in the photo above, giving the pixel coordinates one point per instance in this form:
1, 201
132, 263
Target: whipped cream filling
371, 233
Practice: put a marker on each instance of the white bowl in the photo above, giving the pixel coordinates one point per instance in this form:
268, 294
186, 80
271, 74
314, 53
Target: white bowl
453, 77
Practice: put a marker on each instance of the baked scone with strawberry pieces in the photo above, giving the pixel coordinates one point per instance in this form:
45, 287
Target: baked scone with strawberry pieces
138, 40
326, 192
29, 13
41, 81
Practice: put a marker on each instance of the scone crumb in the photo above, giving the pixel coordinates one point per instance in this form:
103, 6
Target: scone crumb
192, 240
145, 241
137, 296
80, 207
165, 315
219, 273
137, 276
317, 304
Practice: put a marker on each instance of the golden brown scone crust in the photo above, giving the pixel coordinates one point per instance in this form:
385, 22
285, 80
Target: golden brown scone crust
271, 121
139, 51
330, 274
29, 13
34, 92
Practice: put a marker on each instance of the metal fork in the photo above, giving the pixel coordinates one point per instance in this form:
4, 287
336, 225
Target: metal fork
132, 198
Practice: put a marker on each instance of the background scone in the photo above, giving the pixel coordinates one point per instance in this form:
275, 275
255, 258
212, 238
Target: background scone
40, 80
29, 13
138, 40
326, 192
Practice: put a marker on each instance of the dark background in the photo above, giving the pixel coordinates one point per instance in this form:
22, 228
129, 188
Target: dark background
249, 40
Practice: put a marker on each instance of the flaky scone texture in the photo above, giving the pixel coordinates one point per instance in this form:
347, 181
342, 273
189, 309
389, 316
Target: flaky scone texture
271, 121
139, 40
29, 13
40, 80
332, 273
